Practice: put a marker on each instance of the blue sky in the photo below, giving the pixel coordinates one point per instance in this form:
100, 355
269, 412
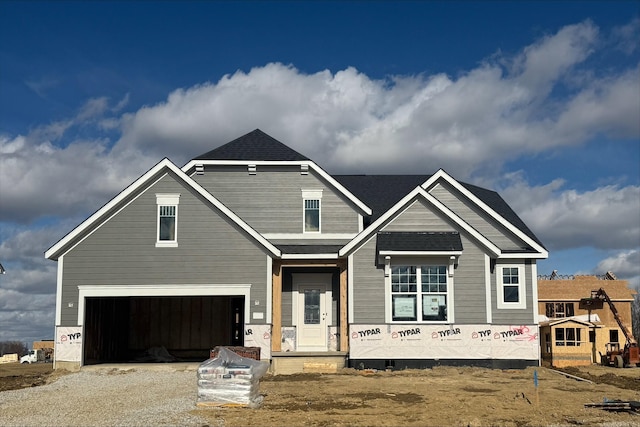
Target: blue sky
537, 100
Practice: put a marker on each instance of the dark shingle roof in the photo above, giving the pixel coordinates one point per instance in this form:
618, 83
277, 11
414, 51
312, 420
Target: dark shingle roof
380, 192
419, 241
255, 145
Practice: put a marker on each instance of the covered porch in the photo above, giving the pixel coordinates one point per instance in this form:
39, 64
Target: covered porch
309, 318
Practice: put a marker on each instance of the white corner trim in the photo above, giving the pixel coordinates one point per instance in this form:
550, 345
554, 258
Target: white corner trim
350, 307
487, 287
88, 291
269, 289
534, 290
59, 291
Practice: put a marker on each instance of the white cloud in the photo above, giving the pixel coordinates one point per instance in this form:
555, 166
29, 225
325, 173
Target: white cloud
625, 265
607, 217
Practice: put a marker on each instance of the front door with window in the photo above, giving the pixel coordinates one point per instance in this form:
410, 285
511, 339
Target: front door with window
312, 294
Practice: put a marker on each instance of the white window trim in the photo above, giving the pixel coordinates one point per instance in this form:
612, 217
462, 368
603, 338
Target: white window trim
501, 304
167, 200
312, 195
387, 291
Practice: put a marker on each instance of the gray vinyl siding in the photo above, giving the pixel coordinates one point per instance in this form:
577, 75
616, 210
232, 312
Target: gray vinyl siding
513, 316
469, 288
368, 285
271, 200
475, 217
211, 250
419, 217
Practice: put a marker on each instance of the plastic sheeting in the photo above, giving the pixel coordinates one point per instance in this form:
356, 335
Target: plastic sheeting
444, 341
229, 379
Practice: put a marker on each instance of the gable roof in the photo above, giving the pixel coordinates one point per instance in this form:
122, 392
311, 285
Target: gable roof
492, 204
111, 207
256, 145
424, 241
418, 193
381, 192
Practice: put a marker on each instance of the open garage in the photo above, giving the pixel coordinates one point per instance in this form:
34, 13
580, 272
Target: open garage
160, 328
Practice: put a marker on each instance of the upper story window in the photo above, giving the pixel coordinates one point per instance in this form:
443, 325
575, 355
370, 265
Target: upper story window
167, 227
511, 289
311, 206
419, 293
556, 310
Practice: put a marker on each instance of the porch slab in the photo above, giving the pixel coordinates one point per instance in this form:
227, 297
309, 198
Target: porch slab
287, 363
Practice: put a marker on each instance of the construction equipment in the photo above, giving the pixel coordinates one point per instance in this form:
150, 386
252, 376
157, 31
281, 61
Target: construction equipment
629, 355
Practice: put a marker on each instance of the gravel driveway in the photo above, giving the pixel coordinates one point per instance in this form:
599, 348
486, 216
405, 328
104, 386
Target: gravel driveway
161, 396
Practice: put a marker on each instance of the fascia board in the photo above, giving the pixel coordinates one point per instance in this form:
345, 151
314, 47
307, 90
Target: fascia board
523, 255
441, 174
364, 208
419, 191
140, 182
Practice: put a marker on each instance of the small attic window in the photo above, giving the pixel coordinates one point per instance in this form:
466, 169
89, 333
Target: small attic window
311, 210
167, 223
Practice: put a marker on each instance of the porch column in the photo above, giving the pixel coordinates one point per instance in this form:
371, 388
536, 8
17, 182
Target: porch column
276, 308
344, 327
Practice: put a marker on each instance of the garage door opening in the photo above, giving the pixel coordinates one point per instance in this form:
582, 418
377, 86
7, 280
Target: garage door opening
160, 329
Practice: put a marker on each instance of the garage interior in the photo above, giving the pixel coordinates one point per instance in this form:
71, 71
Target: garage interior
160, 329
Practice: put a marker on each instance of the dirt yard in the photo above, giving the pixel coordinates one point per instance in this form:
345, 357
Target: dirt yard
443, 396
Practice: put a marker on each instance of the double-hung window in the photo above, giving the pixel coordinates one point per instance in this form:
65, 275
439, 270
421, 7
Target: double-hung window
167, 225
419, 293
511, 289
311, 208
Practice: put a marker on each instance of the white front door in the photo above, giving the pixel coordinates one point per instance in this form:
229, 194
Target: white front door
312, 294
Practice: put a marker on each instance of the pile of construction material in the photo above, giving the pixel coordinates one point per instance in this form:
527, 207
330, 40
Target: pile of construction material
230, 380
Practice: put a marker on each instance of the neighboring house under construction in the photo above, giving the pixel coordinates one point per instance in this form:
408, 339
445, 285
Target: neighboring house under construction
571, 336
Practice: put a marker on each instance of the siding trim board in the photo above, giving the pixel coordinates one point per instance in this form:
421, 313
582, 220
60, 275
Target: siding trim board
89, 291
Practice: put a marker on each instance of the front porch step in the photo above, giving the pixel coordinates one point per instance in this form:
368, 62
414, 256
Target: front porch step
287, 363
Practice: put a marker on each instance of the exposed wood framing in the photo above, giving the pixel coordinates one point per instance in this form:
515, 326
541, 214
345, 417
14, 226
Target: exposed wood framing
276, 331
344, 337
